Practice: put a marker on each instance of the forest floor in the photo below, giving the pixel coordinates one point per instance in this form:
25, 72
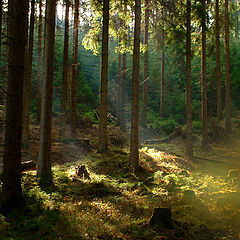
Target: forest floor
117, 204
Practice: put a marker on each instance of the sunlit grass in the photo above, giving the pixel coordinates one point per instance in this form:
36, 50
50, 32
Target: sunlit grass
115, 203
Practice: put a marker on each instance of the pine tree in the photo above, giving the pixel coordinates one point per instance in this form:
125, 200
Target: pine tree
28, 80
39, 73
65, 61
188, 83
75, 68
17, 22
44, 158
145, 78
204, 79
228, 126
102, 142
218, 61
134, 154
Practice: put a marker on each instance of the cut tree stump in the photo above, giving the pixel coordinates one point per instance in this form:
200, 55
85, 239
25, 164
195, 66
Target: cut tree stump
189, 195
162, 217
82, 172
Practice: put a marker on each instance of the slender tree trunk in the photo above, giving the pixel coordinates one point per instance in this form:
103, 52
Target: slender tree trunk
162, 107
124, 74
28, 80
119, 94
228, 126
1, 68
237, 26
1, 13
102, 142
65, 61
145, 78
134, 154
44, 159
39, 73
11, 189
189, 149
218, 62
204, 81
69, 93
162, 110
124, 80
75, 68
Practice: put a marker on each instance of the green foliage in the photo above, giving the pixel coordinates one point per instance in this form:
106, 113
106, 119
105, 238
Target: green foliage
164, 126
4, 225
197, 126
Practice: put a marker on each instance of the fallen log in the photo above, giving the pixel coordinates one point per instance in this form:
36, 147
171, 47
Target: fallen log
25, 166
28, 166
177, 132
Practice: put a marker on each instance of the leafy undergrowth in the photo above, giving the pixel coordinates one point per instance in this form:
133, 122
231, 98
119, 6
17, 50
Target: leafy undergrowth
117, 204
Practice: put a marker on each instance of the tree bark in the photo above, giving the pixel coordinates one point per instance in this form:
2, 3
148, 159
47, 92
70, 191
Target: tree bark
44, 159
134, 154
189, 150
119, 96
17, 22
28, 80
162, 107
218, 61
204, 80
65, 61
75, 68
69, 93
102, 142
162, 110
124, 80
228, 126
124, 75
1, 13
145, 78
39, 73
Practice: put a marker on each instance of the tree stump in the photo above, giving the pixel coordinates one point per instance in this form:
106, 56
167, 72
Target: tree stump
189, 195
82, 172
162, 217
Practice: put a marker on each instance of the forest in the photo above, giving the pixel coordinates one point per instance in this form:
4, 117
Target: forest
120, 119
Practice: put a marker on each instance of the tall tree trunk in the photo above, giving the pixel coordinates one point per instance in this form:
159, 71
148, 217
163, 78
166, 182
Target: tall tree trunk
119, 94
102, 142
1, 69
228, 126
44, 157
204, 80
124, 80
28, 80
237, 26
1, 13
189, 149
162, 108
134, 154
69, 93
218, 62
39, 73
75, 68
124, 74
65, 60
145, 78
17, 21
